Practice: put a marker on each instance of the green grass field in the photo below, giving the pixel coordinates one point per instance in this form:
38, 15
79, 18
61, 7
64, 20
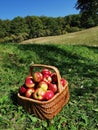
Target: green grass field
77, 63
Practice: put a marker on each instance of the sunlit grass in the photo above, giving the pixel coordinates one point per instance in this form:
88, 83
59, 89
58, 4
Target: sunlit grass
87, 37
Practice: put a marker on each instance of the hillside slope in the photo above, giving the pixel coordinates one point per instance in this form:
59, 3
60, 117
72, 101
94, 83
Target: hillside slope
87, 37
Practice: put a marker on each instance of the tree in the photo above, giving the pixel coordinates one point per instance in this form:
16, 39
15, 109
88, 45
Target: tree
61, 22
35, 26
52, 25
4, 28
46, 31
89, 11
18, 26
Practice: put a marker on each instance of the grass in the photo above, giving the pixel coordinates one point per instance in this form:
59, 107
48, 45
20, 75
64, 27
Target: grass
77, 63
87, 37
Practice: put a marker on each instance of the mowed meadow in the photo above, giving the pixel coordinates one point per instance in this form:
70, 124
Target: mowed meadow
76, 57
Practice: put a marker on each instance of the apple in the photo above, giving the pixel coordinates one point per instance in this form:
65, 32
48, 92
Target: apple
29, 82
63, 81
46, 71
37, 76
43, 85
47, 78
53, 87
54, 77
29, 92
29, 76
39, 94
49, 94
22, 90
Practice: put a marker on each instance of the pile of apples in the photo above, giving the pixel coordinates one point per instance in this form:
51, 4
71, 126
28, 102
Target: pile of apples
41, 86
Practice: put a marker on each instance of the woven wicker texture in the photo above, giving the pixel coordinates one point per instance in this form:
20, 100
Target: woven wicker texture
46, 109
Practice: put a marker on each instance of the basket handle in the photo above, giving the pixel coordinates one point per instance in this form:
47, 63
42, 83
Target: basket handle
60, 88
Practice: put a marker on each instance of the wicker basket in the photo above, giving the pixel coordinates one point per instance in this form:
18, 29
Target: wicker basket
46, 109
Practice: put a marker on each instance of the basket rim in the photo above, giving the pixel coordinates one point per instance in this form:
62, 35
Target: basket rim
42, 102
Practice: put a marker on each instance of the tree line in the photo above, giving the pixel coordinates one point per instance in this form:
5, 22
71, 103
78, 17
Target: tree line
22, 28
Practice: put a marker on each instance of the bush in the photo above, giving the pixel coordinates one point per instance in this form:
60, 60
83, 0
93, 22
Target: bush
1, 40
15, 38
72, 29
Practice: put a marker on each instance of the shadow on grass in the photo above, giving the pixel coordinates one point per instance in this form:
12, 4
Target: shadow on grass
68, 62
62, 58
13, 97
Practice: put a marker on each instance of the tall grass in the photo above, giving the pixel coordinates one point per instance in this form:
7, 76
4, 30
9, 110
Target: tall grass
78, 64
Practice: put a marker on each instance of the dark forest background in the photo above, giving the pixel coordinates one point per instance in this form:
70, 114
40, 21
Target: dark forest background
23, 28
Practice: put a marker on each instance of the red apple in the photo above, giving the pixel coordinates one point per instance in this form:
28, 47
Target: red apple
49, 94
54, 77
53, 87
47, 78
63, 81
29, 76
29, 82
29, 92
39, 94
43, 85
46, 71
37, 76
22, 89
